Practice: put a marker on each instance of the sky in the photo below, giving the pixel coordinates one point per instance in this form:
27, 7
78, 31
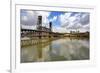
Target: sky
62, 22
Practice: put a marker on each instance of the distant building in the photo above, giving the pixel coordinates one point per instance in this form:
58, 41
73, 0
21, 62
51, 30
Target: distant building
73, 32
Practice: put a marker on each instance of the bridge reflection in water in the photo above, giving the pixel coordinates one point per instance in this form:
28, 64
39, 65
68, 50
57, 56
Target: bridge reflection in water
56, 50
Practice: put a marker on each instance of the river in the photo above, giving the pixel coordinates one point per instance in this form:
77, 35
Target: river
65, 49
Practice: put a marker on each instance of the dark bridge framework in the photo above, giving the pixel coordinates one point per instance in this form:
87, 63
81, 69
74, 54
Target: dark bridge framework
40, 34
36, 37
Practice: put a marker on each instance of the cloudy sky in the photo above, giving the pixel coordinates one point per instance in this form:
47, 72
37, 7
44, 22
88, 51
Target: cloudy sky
61, 21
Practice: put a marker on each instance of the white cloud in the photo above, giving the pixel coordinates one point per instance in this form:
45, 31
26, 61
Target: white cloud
43, 13
30, 12
85, 19
87, 27
53, 19
64, 18
24, 18
76, 21
30, 19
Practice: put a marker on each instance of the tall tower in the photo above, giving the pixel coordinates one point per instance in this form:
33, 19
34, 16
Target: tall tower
39, 23
39, 26
50, 26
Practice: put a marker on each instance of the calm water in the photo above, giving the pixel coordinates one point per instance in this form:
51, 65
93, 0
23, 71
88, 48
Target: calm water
58, 50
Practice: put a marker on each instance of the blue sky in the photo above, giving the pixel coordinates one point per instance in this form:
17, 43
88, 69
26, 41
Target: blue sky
57, 21
62, 21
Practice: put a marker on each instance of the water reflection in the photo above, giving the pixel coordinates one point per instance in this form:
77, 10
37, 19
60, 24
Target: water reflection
57, 50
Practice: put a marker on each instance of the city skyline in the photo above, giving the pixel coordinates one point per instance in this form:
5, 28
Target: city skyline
61, 21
